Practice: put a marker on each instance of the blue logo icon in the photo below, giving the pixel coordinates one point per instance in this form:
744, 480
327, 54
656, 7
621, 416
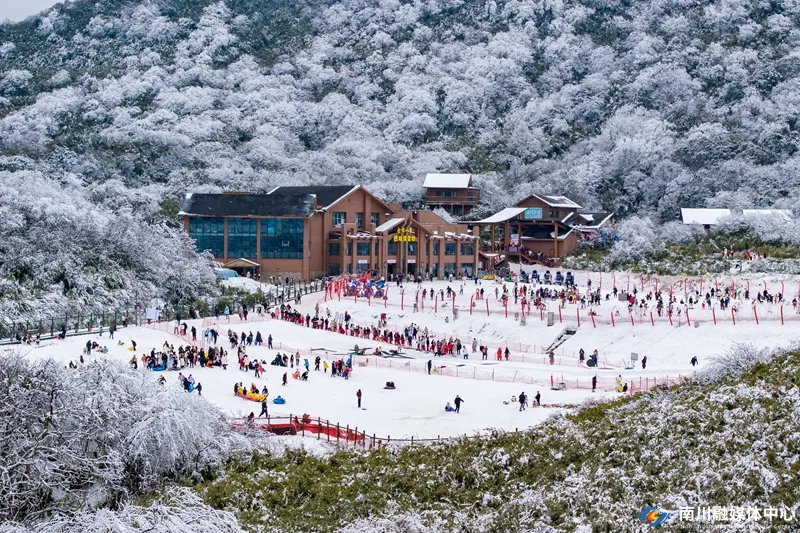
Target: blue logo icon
653, 516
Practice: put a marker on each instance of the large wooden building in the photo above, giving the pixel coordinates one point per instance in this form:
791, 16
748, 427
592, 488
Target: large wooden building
309, 232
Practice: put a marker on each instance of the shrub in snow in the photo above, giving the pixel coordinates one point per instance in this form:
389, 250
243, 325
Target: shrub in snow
96, 436
637, 239
179, 509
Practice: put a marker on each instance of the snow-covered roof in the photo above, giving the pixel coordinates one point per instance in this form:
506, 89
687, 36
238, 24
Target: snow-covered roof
448, 181
506, 214
557, 201
389, 224
706, 217
785, 214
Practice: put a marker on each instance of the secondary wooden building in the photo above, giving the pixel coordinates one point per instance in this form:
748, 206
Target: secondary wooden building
539, 227
452, 192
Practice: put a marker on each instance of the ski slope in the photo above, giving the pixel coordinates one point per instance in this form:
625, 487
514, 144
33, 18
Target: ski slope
416, 407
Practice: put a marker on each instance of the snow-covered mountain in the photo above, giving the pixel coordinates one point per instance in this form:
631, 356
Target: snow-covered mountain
632, 107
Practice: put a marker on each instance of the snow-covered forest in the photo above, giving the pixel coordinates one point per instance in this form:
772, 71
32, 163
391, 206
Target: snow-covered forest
76, 441
114, 106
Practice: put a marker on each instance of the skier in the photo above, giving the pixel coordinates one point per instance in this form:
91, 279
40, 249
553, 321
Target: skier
358, 395
458, 402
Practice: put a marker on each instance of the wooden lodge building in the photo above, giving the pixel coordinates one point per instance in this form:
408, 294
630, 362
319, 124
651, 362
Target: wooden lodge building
538, 228
452, 192
309, 232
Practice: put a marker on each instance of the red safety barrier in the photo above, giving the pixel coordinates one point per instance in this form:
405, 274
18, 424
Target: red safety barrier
755, 314
733, 315
613, 324
714, 316
652, 320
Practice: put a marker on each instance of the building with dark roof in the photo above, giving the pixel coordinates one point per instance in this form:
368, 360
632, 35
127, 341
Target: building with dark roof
313, 231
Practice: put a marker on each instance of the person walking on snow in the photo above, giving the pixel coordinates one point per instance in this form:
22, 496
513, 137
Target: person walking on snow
358, 395
594, 383
194, 333
284, 378
644, 362
430, 364
458, 401
264, 409
522, 400
538, 399
694, 361
269, 341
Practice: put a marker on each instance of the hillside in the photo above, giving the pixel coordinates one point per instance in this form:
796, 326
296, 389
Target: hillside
729, 439
628, 106
124, 106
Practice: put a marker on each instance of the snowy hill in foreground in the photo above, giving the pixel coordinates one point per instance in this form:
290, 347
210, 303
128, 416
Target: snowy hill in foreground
722, 441
729, 439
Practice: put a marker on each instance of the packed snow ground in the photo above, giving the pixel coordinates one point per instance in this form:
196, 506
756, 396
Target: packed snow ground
416, 407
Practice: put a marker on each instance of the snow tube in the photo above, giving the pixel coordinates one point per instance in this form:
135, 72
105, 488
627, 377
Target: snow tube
252, 397
591, 362
279, 400
159, 367
190, 388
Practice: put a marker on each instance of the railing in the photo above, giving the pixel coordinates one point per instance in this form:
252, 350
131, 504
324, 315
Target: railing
338, 434
91, 321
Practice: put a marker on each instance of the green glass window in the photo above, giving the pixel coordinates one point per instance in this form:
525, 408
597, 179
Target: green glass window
392, 248
334, 249
435, 248
281, 238
412, 248
208, 234
467, 248
242, 234
449, 248
362, 248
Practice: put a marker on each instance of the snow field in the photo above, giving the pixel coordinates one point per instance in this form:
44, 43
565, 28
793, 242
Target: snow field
416, 407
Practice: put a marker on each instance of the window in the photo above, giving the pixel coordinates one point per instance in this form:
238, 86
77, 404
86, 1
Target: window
392, 248
282, 238
334, 249
377, 248
334, 269
467, 248
339, 218
435, 270
436, 248
554, 213
374, 219
449, 248
412, 248
470, 195
208, 234
447, 194
457, 210
242, 236
468, 269
360, 220
449, 268
349, 248
362, 248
